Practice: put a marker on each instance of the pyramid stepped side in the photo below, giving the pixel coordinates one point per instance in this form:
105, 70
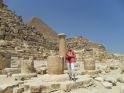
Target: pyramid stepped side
44, 28
19, 39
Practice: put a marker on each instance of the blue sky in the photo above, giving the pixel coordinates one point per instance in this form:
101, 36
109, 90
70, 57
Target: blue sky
101, 21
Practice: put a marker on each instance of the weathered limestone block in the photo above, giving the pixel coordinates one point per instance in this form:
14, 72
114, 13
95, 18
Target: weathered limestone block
83, 81
55, 65
113, 67
45, 88
35, 88
111, 80
54, 86
107, 84
41, 70
7, 90
5, 59
99, 79
15, 62
8, 87
67, 86
102, 68
26, 86
122, 89
24, 76
18, 90
121, 65
120, 79
3, 43
11, 70
27, 67
54, 78
89, 64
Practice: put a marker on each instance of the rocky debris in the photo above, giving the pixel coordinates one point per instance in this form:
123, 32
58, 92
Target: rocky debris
27, 67
54, 78
24, 76
8, 87
103, 68
11, 71
120, 79
107, 84
80, 42
111, 80
5, 59
99, 79
42, 70
39, 85
18, 90
87, 49
122, 89
121, 65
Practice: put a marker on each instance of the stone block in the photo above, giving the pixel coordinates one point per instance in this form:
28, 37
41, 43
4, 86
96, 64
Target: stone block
24, 76
120, 79
54, 78
45, 88
54, 86
55, 65
8, 87
111, 80
99, 79
4, 60
11, 70
107, 84
26, 86
35, 88
18, 90
27, 66
41, 70
67, 86
113, 67
122, 89
121, 65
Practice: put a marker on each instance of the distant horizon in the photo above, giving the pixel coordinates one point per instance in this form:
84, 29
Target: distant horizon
96, 20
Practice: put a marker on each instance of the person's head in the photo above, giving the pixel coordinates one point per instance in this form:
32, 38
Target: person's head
69, 49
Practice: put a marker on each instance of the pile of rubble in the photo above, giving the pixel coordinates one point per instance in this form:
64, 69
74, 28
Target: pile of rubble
87, 49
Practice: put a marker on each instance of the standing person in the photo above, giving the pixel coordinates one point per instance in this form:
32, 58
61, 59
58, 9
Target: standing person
71, 59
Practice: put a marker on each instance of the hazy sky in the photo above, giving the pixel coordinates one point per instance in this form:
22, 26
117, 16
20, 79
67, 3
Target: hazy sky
101, 21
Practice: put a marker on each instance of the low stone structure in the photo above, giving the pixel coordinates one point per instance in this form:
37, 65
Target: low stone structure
5, 59
55, 65
89, 64
27, 67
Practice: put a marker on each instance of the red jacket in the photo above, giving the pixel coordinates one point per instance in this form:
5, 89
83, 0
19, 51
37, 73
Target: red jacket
70, 56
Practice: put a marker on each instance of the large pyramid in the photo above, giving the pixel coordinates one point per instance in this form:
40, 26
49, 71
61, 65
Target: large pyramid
44, 28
